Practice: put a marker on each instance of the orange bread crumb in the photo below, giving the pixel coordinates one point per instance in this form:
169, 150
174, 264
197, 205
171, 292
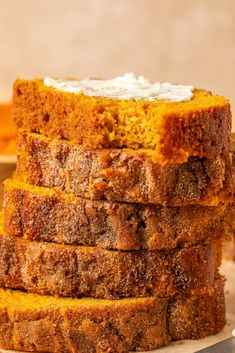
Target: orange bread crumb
173, 130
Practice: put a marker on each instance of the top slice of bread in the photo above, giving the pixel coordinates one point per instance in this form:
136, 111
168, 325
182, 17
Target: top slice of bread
172, 130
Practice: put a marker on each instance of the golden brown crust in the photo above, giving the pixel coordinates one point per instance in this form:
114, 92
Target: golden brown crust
175, 131
75, 271
184, 310
142, 324
121, 175
44, 214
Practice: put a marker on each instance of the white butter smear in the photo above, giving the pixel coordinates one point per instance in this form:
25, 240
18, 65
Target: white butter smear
124, 87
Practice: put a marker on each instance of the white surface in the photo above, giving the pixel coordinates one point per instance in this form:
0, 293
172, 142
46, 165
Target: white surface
123, 87
191, 346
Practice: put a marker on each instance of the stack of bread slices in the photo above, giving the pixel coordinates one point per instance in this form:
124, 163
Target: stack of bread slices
114, 219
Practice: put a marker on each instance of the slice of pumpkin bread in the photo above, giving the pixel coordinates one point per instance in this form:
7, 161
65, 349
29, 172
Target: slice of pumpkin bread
77, 271
173, 130
121, 175
31, 322
45, 214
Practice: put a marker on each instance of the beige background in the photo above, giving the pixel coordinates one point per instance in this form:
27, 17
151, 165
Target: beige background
168, 40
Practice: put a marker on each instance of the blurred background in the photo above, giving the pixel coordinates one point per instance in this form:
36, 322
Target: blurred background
180, 41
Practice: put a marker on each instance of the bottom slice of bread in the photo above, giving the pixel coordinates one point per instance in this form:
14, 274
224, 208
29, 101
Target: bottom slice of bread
31, 322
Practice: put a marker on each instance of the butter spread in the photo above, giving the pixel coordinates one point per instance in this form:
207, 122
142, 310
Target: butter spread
123, 87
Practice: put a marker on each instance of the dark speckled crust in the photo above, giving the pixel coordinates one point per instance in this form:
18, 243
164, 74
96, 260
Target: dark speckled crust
88, 271
229, 247
44, 214
121, 175
139, 325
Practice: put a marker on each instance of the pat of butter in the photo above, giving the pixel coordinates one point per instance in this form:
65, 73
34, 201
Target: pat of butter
124, 87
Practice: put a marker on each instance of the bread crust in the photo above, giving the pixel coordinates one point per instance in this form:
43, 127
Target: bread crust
175, 131
121, 175
43, 214
116, 326
77, 271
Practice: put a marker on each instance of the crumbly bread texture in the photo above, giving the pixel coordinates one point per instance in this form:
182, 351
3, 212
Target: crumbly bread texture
121, 175
31, 322
78, 271
44, 214
174, 130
